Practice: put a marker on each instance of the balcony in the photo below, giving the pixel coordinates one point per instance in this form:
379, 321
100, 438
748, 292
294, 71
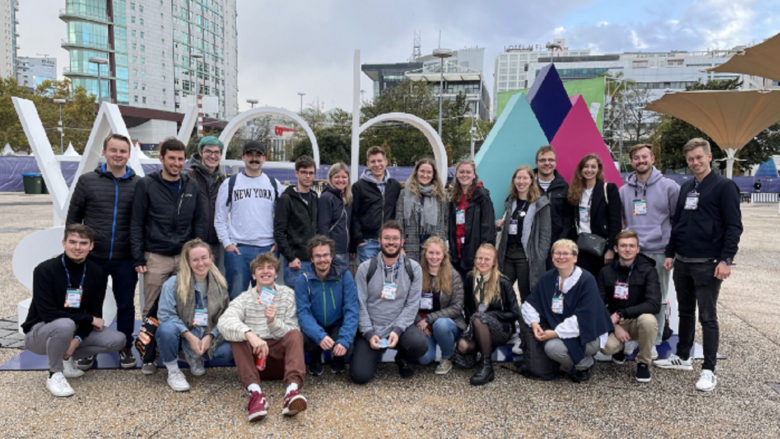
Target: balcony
71, 15
98, 47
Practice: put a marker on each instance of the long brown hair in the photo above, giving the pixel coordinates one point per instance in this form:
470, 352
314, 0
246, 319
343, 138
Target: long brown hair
578, 181
457, 190
184, 277
335, 169
414, 186
493, 286
443, 282
533, 189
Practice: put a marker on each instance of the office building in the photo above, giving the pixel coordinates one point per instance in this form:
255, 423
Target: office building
9, 36
32, 71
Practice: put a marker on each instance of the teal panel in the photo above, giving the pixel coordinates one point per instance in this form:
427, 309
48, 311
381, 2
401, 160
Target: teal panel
512, 142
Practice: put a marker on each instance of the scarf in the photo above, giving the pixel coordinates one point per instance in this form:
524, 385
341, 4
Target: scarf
425, 207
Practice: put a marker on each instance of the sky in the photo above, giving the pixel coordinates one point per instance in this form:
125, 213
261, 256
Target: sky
290, 47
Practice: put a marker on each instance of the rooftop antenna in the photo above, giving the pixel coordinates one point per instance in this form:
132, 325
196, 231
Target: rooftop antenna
417, 47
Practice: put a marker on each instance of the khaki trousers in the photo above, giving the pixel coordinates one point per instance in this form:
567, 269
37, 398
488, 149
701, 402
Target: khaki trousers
642, 329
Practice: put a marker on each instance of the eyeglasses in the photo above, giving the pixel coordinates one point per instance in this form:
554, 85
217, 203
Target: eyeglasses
562, 254
211, 152
391, 238
546, 160
321, 256
306, 172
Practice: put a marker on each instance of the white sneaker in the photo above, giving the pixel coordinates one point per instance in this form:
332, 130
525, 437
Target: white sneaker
70, 370
58, 385
444, 367
630, 347
674, 362
653, 353
707, 381
177, 381
196, 366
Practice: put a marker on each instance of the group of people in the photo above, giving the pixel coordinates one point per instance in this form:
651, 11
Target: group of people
436, 272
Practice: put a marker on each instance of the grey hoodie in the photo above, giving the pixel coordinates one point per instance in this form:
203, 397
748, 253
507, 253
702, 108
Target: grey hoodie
661, 194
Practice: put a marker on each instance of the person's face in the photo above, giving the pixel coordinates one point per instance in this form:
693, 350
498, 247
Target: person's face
116, 153
564, 258
377, 164
627, 249
77, 247
698, 160
322, 259
173, 162
484, 260
265, 275
339, 180
434, 255
200, 261
210, 156
465, 175
425, 174
590, 169
545, 163
305, 176
642, 161
522, 181
390, 242
253, 160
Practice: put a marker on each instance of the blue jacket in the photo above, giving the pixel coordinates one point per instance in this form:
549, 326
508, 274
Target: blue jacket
323, 304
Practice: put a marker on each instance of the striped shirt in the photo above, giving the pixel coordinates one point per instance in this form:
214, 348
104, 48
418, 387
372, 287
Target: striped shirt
245, 313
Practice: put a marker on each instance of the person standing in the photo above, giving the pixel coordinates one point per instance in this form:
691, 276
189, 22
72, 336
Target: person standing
555, 188
706, 227
334, 213
649, 200
422, 209
103, 200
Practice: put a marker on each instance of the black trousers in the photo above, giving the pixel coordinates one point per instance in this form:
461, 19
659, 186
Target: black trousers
412, 344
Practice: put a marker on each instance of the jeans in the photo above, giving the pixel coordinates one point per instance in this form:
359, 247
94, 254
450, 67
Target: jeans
341, 263
237, 268
123, 281
696, 284
368, 250
444, 334
290, 275
169, 341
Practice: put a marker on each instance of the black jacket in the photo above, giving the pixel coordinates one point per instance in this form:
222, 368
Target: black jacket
49, 286
333, 218
371, 208
561, 220
208, 183
504, 306
105, 203
162, 224
295, 223
606, 217
714, 228
644, 291
480, 228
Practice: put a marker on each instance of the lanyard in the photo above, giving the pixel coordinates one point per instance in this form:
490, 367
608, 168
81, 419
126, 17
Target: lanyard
630, 270
558, 289
520, 209
696, 184
301, 196
644, 191
67, 274
393, 271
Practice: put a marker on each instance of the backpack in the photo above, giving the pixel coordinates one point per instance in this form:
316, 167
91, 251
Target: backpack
535, 363
232, 184
373, 265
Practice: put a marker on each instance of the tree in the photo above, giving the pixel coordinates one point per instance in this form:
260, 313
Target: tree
625, 120
333, 131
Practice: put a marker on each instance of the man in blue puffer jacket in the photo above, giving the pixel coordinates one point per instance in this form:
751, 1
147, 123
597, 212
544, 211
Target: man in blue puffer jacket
327, 306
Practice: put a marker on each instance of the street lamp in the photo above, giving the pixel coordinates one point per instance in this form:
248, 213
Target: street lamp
197, 57
99, 62
252, 102
441, 54
301, 94
550, 47
59, 128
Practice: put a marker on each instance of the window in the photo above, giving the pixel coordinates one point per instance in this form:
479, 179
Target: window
143, 99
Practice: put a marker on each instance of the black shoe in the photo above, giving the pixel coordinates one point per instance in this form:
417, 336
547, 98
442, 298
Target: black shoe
581, 376
464, 361
642, 373
315, 369
619, 357
485, 373
337, 365
404, 368
126, 359
86, 363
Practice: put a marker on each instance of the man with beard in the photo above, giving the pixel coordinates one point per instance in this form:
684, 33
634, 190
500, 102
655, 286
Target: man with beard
244, 217
205, 171
555, 188
389, 288
648, 200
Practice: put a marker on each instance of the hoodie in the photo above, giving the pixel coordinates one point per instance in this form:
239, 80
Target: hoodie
654, 228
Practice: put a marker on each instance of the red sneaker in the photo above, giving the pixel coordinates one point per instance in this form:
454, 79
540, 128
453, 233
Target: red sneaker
257, 407
294, 403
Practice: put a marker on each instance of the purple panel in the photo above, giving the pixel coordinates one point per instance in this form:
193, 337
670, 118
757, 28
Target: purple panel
549, 101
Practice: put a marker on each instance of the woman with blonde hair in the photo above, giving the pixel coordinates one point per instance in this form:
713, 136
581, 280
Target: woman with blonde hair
334, 213
190, 304
491, 310
421, 209
440, 316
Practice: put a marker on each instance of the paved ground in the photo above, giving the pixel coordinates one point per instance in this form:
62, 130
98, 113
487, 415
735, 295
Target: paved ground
128, 404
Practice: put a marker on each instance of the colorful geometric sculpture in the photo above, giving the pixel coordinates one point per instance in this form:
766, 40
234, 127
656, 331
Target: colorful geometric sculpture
549, 100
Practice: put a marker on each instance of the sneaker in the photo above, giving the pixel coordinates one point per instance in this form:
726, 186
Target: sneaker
177, 381
257, 407
630, 347
654, 353
196, 366
642, 373
674, 362
581, 376
126, 359
70, 370
707, 381
149, 368
58, 385
337, 365
86, 363
619, 357
444, 367
294, 403
404, 368
315, 369
602, 358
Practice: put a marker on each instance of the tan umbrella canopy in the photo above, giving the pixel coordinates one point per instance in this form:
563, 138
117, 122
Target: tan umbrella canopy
730, 117
759, 60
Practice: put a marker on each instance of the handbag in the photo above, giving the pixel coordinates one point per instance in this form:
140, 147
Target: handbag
591, 243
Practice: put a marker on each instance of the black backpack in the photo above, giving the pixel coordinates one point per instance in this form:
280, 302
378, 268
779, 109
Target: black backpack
372, 266
232, 184
535, 363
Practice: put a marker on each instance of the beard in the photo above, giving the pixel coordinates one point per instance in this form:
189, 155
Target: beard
386, 253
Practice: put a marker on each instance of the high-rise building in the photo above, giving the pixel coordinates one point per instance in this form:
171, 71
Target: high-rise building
158, 53
32, 71
8, 37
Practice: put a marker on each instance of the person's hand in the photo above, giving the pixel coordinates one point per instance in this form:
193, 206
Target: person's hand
259, 346
270, 314
362, 244
668, 264
548, 335
423, 326
621, 334
295, 264
392, 340
141, 269
374, 342
722, 271
98, 323
538, 331
615, 318
500, 223
326, 343
339, 350
194, 342
609, 256
352, 256
74, 343
232, 248
205, 343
